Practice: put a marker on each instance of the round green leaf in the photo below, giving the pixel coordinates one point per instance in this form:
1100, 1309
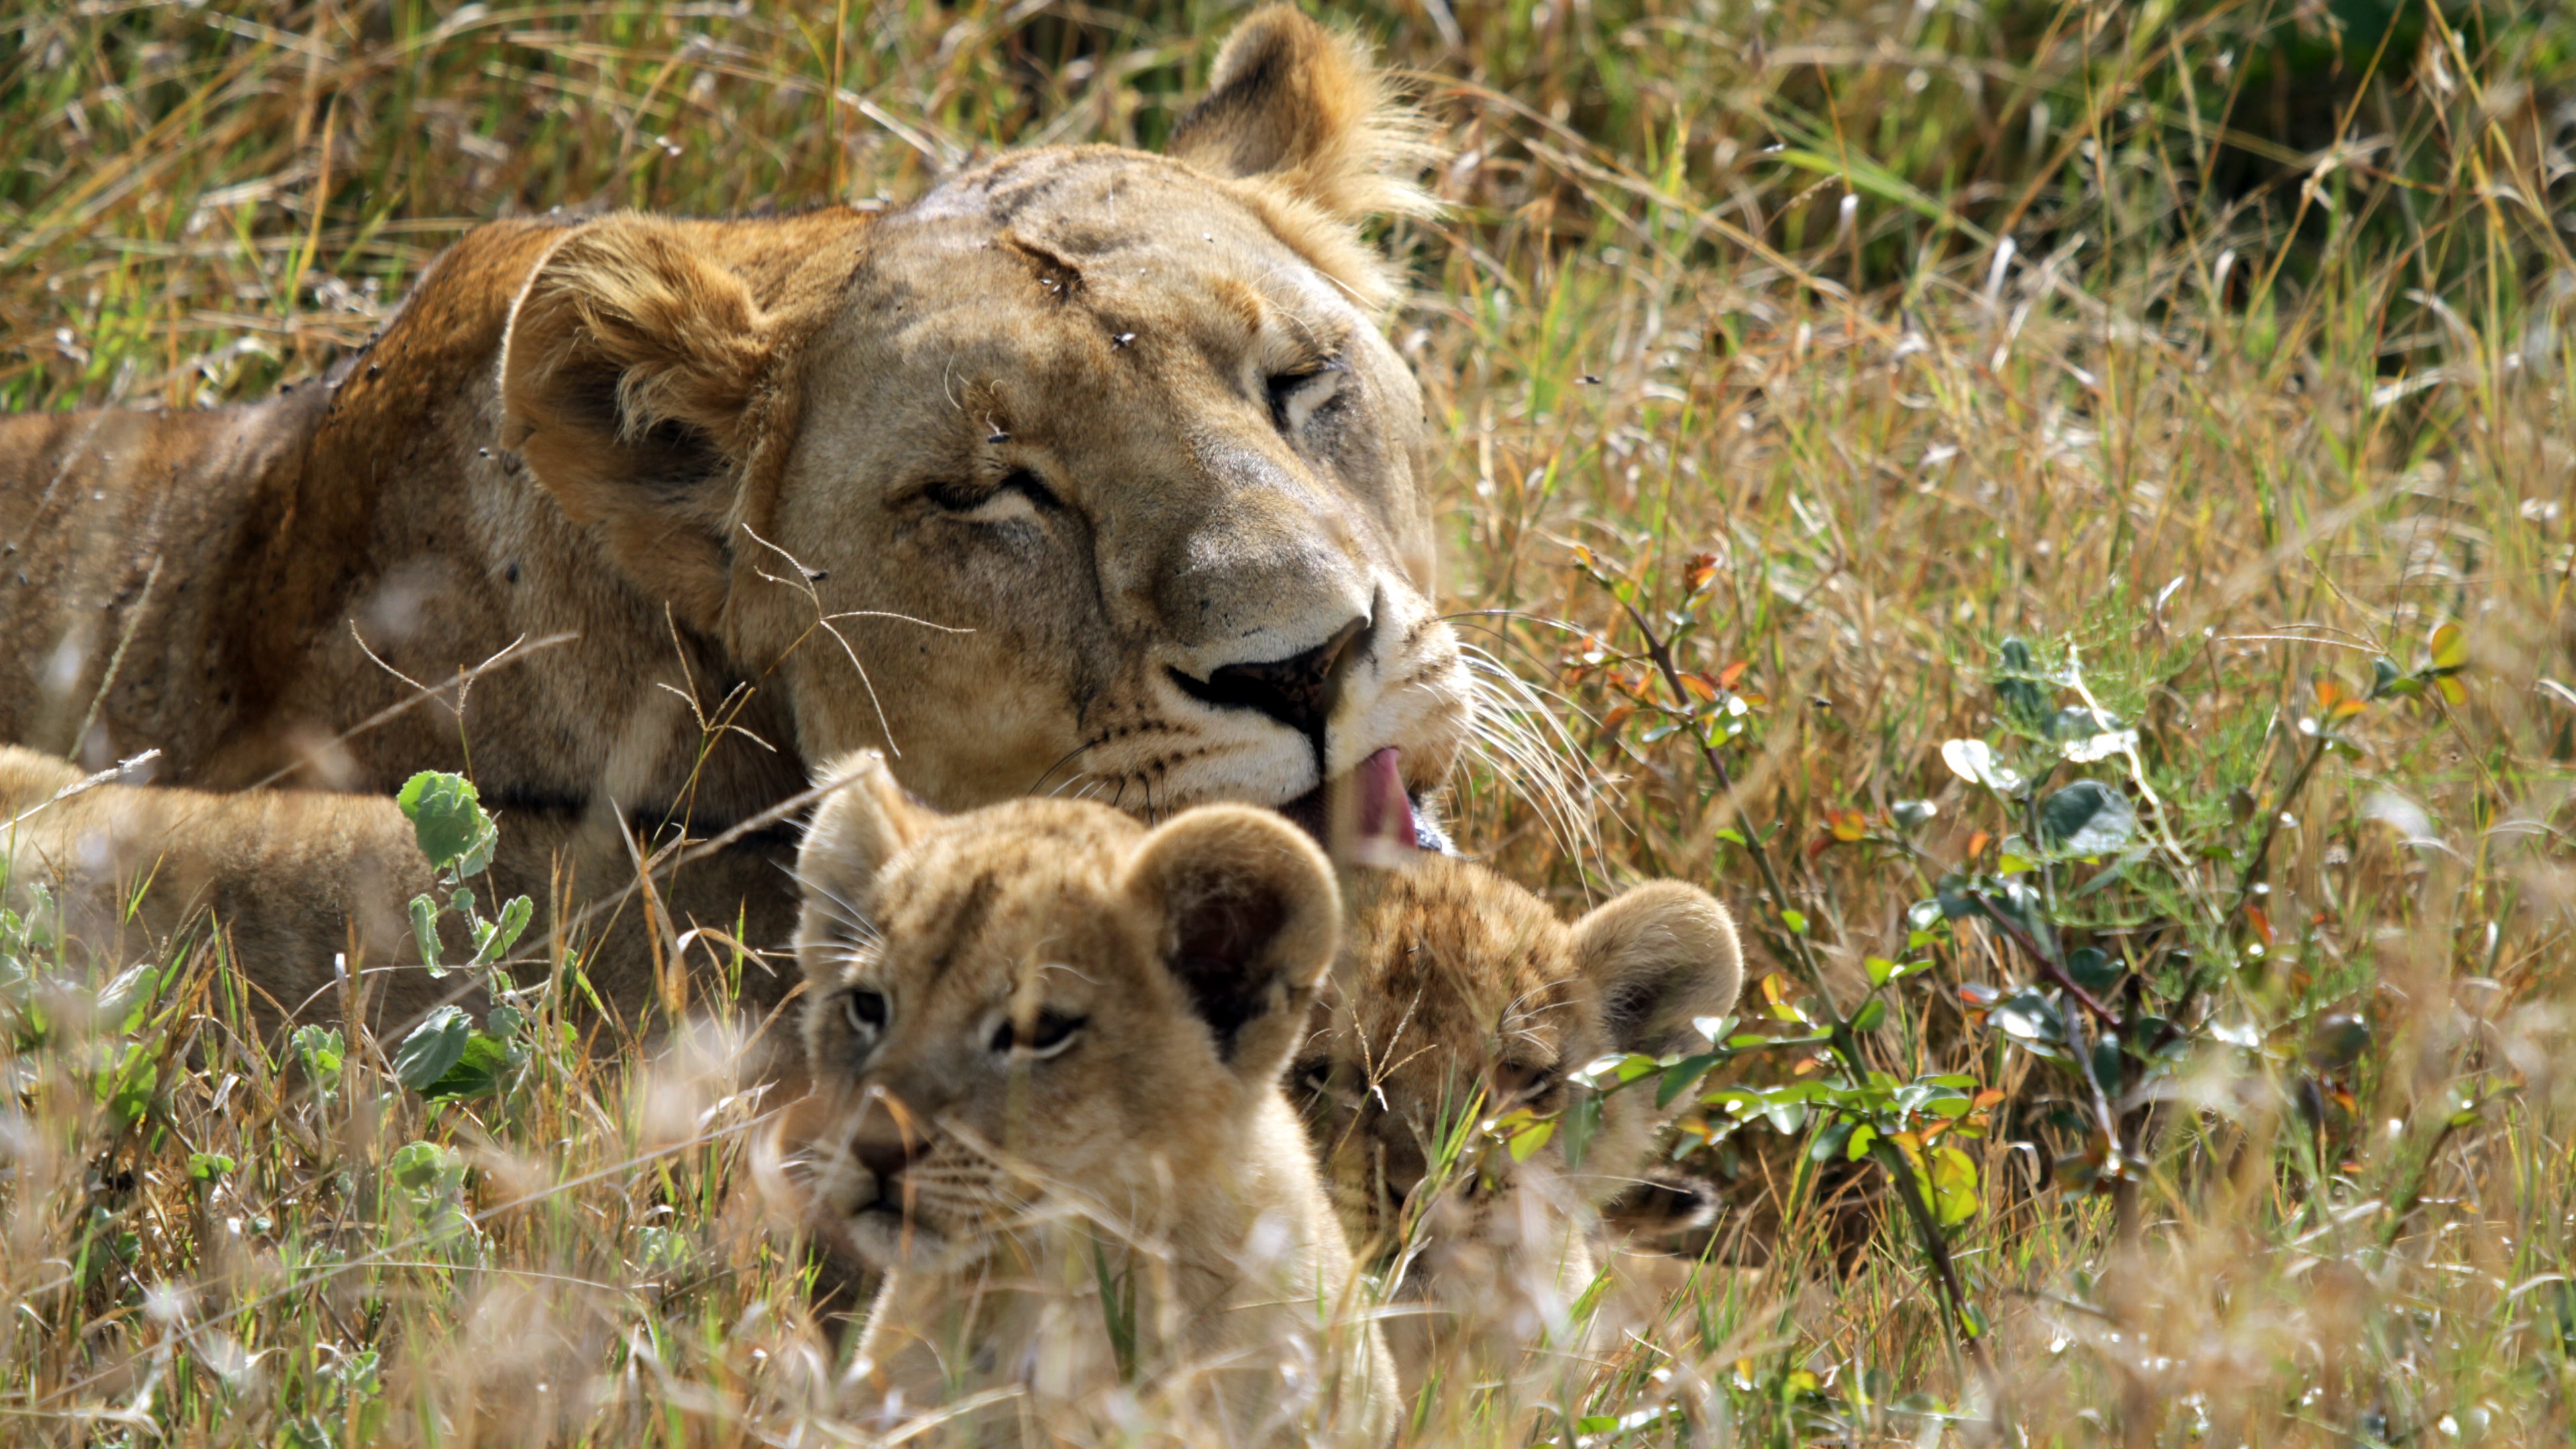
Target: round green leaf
434, 1046
2087, 818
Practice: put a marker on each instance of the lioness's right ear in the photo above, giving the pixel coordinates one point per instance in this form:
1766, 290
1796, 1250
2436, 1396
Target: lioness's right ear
864, 822
1298, 107
628, 381
1249, 921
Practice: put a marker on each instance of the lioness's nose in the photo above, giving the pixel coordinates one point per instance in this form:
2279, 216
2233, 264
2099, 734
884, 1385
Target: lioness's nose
1298, 691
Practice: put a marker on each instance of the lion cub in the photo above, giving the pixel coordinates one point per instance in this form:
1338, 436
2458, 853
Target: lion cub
1047, 1044
1460, 996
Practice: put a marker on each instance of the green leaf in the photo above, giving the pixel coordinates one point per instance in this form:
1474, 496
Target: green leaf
1682, 1075
125, 1089
2031, 1020
434, 1046
1974, 761
447, 818
1872, 1015
1831, 1141
1795, 920
123, 1002
495, 940
480, 1071
2108, 1069
1786, 1116
2093, 970
424, 1170
1525, 1132
2087, 818
1582, 1125
320, 1049
424, 933
2449, 648
209, 1166
1954, 1186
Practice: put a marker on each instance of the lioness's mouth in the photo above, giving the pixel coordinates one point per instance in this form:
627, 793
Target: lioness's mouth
1368, 815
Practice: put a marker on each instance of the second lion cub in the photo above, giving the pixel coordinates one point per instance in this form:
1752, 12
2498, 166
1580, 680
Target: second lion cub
1045, 1045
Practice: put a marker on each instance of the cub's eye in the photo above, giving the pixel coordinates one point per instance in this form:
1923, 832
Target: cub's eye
1314, 1076
1020, 494
865, 1011
1523, 1081
1294, 396
1051, 1032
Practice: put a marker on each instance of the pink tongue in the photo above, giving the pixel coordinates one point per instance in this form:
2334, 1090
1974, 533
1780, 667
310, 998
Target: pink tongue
1380, 810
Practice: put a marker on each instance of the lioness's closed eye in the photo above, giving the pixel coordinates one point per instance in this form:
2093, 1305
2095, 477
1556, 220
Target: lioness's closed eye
1045, 1045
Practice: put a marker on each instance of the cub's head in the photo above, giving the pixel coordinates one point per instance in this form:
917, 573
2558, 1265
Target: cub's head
1089, 472
1041, 1006
1460, 997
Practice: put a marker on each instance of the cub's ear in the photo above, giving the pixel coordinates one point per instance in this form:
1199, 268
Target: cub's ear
1658, 956
1303, 108
864, 822
629, 382
1249, 918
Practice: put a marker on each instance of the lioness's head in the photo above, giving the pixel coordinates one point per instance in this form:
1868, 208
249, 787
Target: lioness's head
1461, 997
1089, 472
1042, 1005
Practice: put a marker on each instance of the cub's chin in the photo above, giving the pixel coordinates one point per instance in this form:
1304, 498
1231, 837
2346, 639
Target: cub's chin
885, 1238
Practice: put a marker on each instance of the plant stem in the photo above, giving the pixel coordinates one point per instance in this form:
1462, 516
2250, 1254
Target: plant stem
2253, 871
2048, 964
1890, 1159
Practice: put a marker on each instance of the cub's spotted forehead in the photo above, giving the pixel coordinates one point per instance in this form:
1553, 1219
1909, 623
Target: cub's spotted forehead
1443, 954
983, 891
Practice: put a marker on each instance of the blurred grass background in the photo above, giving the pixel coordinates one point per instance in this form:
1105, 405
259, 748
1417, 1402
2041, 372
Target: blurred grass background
2215, 349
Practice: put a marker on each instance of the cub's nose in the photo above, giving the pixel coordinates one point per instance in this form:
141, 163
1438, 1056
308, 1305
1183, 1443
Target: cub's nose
888, 1154
1298, 691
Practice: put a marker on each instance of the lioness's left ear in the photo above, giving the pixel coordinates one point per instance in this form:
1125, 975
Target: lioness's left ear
1658, 956
1249, 921
1302, 108
629, 382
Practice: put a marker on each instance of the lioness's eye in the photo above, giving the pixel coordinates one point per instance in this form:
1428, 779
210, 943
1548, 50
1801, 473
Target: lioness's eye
865, 1011
1020, 493
1049, 1034
1315, 1075
1294, 396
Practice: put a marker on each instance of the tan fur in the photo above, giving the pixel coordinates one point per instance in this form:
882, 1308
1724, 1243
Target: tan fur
1046, 1044
1460, 996
983, 482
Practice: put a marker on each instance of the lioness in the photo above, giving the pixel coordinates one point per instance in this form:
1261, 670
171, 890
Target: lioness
1047, 1045
1088, 472
1460, 996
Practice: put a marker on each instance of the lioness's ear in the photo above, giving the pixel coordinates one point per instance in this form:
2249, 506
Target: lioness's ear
1658, 956
628, 380
1249, 919
1301, 107
864, 822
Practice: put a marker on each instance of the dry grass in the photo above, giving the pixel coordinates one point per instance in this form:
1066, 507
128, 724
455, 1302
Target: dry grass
2272, 379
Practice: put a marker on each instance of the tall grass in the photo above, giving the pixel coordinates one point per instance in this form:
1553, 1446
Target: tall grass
2212, 350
